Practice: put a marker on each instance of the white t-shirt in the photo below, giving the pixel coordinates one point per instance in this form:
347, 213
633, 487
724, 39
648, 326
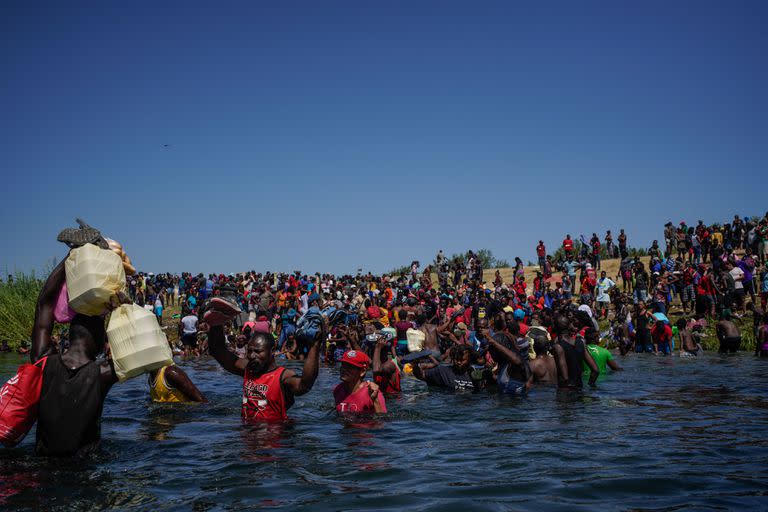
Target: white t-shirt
602, 289
737, 273
189, 324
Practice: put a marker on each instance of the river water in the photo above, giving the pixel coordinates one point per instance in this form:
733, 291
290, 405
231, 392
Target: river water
666, 434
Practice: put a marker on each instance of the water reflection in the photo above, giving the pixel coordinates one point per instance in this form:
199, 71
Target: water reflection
618, 446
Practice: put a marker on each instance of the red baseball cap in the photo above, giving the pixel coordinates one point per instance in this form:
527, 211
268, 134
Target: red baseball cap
356, 358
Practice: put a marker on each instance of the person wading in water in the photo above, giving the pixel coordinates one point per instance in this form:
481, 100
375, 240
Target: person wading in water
268, 389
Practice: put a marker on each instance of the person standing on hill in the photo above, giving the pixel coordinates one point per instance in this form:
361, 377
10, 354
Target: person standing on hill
603, 287
670, 237
594, 243
609, 247
541, 252
623, 251
570, 269
568, 246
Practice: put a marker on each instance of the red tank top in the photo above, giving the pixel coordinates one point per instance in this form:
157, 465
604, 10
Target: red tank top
263, 398
385, 383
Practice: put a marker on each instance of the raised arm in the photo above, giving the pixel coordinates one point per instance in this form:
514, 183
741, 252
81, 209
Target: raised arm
300, 385
46, 303
225, 358
385, 369
179, 379
498, 349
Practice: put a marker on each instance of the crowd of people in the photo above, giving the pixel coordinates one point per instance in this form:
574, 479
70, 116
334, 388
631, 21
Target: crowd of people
457, 331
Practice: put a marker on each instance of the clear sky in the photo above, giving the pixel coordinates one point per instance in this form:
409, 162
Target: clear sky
332, 136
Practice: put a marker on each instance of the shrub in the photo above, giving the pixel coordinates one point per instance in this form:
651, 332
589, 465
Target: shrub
17, 309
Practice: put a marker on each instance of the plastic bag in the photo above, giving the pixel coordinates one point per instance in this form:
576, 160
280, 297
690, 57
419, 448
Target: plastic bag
19, 400
415, 340
136, 342
62, 312
93, 276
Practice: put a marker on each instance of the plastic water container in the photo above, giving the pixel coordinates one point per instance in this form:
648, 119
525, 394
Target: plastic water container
415, 340
93, 276
136, 342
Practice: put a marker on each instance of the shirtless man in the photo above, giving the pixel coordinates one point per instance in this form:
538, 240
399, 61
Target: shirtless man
688, 346
543, 368
426, 325
728, 334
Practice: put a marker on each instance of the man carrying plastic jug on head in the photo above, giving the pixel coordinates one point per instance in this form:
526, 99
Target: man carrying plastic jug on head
74, 384
268, 389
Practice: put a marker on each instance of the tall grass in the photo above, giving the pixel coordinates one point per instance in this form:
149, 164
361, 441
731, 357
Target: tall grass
17, 308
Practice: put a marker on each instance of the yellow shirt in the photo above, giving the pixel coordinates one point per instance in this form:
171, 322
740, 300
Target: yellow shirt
160, 391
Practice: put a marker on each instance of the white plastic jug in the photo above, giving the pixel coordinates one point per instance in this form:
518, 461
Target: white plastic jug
415, 340
93, 276
136, 342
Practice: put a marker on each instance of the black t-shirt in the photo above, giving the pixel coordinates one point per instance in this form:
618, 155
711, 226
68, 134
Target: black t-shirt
69, 418
444, 376
641, 280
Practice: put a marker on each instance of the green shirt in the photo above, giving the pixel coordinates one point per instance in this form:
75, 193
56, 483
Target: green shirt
601, 356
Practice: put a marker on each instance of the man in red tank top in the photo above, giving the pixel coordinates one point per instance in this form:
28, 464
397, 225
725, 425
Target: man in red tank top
268, 389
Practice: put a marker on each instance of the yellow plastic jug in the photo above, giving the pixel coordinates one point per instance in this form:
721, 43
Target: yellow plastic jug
415, 340
136, 342
93, 276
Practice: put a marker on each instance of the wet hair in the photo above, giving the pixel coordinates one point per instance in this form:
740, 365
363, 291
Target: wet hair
457, 352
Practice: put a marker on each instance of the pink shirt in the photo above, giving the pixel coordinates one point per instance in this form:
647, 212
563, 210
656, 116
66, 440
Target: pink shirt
358, 402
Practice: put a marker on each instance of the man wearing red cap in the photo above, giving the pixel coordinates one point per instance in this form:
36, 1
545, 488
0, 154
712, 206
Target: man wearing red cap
353, 394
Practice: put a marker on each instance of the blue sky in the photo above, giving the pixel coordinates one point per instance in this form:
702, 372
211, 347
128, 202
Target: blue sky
332, 136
